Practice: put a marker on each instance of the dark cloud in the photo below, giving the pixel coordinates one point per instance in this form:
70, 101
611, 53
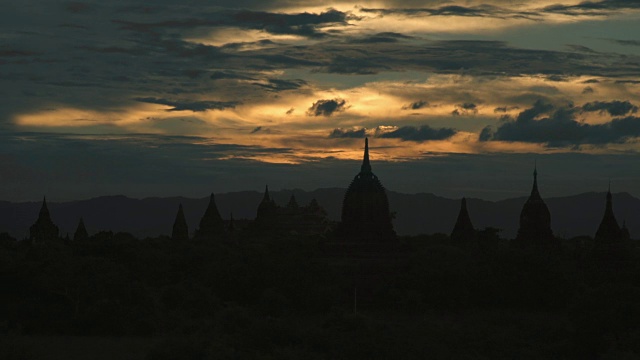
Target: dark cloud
465, 109
327, 107
383, 37
450, 10
588, 90
626, 42
257, 129
591, 81
194, 106
557, 126
592, 7
301, 24
504, 109
229, 75
413, 133
486, 134
348, 133
557, 78
416, 105
281, 85
290, 111
614, 108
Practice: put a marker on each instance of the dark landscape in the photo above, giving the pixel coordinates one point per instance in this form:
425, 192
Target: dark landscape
345, 179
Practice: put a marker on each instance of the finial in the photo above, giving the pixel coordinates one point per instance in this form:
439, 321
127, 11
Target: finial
609, 191
535, 169
366, 165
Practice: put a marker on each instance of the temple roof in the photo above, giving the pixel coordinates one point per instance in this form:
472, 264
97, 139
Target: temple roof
609, 230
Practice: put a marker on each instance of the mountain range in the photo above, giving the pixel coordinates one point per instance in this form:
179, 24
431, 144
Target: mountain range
421, 213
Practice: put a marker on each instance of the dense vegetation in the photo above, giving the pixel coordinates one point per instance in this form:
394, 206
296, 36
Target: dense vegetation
281, 296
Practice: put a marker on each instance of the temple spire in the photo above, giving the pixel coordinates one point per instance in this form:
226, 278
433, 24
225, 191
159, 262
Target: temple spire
266, 194
534, 190
366, 165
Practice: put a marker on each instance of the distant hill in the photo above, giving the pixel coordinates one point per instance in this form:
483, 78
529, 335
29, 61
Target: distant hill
415, 213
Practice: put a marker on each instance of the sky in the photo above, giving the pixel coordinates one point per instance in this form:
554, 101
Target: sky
458, 98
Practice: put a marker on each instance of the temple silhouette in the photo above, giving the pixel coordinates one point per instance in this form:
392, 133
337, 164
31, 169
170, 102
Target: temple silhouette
365, 208
463, 233
365, 219
292, 218
43, 229
610, 239
535, 222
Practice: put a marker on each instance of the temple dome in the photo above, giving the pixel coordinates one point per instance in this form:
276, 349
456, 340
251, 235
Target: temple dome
365, 208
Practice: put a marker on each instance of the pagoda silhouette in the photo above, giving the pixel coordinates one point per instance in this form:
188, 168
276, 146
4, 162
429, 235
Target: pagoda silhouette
610, 237
365, 208
211, 227
463, 233
535, 222
292, 218
43, 229
180, 228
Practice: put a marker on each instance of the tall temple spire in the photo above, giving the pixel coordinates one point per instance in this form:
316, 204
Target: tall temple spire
463, 231
211, 224
535, 221
44, 228
180, 228
266, 194
81, 233
366, 165
609, 231
534, 190
44, 210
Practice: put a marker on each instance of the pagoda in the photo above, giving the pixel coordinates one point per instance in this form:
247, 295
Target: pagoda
535, 221
44, 228
463, 231
365, 208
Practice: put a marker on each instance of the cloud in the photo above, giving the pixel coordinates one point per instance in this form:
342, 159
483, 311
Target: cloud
195, 106
302, 24
413, 133
382, 37
626, 42
592, 7
360, 65
327, 107
416, 105
557, 126
348, 133
614, 108
504, 109
280, 84
465, 109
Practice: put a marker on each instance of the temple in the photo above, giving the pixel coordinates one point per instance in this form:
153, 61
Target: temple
81, 233
365, 208
463, 232
535, 222
44, 228
180, 229
211, 225
292, 218
609, 233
